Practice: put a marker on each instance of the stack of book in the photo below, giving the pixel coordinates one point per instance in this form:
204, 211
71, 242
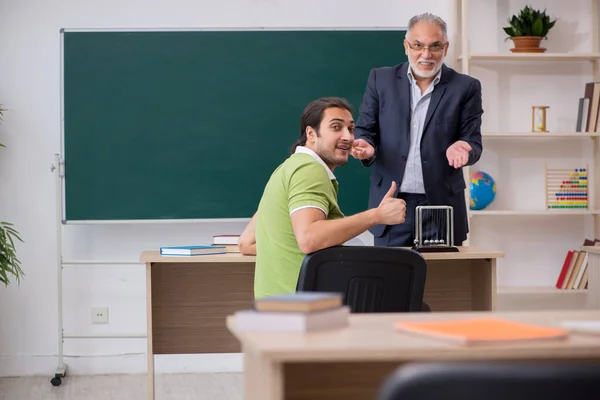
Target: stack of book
294, 312
230, 242
574, 272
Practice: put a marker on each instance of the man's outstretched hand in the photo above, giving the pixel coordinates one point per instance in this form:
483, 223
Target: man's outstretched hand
458, 154
362, 150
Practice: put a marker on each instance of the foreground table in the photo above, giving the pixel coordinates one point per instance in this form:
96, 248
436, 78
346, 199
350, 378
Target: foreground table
353, 362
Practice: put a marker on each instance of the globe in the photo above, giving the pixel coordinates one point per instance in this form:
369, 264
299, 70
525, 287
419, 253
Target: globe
483, 190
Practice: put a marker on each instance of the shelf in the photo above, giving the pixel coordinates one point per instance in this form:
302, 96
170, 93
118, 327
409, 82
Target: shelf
541, 213
548, 56
538, 290
539, 135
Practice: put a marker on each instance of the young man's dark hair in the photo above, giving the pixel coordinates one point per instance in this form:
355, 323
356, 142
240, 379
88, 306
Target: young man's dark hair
313, 115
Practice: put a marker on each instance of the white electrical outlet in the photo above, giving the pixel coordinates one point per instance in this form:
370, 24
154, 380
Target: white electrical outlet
99, 315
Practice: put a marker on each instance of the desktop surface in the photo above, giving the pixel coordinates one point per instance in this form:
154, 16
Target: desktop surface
464, 253
373, 337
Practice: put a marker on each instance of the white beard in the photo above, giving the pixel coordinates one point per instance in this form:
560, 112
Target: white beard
426, 74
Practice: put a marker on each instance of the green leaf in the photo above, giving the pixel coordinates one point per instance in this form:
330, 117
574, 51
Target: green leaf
537, 28
514, 22
10, 265
529, 22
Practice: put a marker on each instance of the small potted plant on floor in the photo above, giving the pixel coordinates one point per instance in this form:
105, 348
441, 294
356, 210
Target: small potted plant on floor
527, 29
10, 266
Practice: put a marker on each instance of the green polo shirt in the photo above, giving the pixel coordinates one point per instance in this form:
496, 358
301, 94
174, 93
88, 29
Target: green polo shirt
303, 180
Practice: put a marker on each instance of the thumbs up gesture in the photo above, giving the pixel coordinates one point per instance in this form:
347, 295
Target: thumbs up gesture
391, 209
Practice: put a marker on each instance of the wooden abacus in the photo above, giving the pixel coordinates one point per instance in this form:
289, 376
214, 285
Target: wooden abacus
567, 188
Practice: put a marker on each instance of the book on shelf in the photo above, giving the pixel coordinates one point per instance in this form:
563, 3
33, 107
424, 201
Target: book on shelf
589, 109
574, 271
474, 331
191, 250
294, 312
582, 114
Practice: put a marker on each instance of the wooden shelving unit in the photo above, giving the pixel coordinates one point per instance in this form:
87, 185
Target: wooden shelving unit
532, 57
533, 213
542, 136
525, 290
465, 59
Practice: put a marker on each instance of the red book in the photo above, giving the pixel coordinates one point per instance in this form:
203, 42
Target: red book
563, 271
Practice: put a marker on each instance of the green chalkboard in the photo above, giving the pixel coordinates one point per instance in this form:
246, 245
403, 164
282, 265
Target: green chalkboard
190, 124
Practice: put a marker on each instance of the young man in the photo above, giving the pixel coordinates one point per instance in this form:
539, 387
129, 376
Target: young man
298, 212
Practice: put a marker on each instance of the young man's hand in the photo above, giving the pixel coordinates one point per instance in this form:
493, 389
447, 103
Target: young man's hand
391, 210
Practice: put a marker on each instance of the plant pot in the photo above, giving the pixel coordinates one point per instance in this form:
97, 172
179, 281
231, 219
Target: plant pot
527, 44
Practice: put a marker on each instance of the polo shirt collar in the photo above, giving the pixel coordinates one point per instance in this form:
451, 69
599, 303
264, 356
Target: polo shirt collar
306, 150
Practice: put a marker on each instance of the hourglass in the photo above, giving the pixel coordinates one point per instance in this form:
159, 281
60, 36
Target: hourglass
538, 118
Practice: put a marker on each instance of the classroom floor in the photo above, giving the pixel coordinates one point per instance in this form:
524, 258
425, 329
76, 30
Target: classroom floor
224, 386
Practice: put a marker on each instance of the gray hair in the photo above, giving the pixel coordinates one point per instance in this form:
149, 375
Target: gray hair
430, 18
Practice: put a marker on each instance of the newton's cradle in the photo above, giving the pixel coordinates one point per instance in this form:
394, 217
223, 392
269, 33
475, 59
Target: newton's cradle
434, 229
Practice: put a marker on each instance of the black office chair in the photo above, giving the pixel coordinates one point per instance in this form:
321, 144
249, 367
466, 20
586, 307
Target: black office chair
480, 380
372, 278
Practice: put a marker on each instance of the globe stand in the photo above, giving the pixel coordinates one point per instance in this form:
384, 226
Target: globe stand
440, 237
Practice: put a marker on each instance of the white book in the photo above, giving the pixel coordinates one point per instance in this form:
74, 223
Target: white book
586, 326
581, 271
268, 321
225, 239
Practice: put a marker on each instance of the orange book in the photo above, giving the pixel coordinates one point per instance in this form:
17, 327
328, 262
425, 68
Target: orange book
481, 330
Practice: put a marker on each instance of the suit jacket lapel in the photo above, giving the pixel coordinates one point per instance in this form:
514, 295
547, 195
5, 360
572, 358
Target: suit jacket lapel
403, 87
436, 96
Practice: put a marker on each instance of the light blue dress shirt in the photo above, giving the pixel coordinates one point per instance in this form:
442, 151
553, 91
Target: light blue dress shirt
412, 182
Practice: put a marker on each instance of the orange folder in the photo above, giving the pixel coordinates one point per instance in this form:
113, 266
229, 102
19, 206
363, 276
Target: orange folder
481, 330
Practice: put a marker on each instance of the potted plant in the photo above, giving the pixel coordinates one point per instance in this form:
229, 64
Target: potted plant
527, 29
10, 266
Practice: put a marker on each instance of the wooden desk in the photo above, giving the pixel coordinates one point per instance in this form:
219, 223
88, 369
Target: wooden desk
353, 362
189, 298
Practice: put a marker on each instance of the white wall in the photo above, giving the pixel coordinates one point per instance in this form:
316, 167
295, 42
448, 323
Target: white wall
30, 89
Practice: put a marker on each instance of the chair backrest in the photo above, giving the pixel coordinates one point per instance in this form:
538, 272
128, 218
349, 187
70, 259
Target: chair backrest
372, 278
480, 380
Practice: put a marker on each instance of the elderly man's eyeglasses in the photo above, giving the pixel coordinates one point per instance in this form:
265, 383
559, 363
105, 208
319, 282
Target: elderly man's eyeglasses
434, 48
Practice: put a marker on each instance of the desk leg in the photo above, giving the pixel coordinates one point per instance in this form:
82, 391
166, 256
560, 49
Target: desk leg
483, 285
150, 352
263, 378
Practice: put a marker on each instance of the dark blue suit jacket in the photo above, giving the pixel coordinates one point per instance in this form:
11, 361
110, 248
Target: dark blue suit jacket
454, 114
